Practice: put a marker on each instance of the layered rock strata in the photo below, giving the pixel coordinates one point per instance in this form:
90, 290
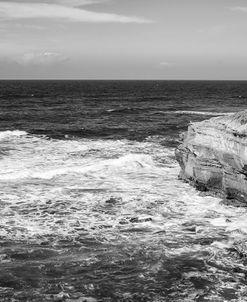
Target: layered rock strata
213, 156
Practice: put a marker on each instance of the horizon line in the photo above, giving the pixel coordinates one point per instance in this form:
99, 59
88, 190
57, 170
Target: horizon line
118, 79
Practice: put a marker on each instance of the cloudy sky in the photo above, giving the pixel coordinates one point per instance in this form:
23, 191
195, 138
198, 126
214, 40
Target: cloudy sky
123, 39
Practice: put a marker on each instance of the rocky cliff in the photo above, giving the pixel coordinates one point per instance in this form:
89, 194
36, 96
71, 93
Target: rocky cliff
213, 156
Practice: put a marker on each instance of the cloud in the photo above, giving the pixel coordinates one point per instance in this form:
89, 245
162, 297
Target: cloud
73, 3
240, 8
18, 10
165, 64
42, 58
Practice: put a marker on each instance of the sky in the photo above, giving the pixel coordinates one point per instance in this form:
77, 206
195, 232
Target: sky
123, 39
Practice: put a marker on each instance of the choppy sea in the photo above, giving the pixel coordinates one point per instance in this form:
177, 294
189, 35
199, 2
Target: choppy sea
91, 208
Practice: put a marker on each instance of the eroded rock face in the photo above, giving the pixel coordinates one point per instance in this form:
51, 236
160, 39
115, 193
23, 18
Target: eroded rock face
213, 156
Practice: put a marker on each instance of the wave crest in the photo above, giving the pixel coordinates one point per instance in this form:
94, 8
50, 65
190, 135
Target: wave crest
9, 133
197, 112
123, 164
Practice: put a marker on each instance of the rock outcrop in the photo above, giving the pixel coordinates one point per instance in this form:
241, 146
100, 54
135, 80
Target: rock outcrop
213, 156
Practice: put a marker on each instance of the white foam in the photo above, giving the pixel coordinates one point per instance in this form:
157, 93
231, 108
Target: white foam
212, 113
8, 134
75, 178
127, 162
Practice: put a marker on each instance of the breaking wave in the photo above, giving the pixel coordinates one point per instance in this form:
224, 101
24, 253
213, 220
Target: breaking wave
209, 113
14, 133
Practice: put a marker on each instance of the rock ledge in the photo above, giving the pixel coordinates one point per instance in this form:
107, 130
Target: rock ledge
213, 156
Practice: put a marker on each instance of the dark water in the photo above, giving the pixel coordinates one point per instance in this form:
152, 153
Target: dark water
114, 110
90, 203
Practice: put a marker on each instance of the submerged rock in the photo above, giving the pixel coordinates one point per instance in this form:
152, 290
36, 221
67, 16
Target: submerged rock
113, 200
213, 156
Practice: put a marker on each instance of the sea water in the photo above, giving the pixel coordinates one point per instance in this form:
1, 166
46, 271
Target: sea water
91, 206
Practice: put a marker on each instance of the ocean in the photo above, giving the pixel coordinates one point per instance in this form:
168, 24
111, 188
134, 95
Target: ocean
91, 207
